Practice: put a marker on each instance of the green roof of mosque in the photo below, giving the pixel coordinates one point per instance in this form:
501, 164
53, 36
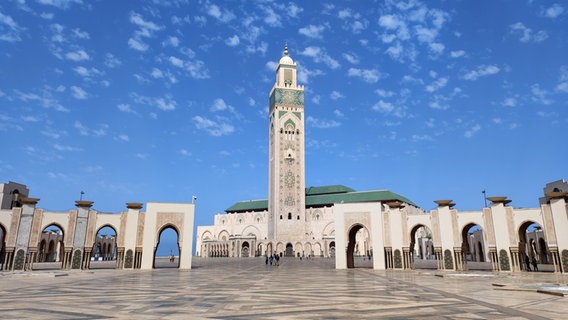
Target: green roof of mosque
326, 195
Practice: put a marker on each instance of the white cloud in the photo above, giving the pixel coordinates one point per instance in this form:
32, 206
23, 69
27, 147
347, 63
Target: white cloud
334, 95
509, 102
78, 55
220, 105
125, 108
232, 41
457, 54
60, 4
221, 15
481, 71
10, 31
526, 34
338, 113
172, 41
157, 73
437, 84
111, 61
540, 95
166, 103
322, 124
81, 34
88, 73
367, 75
384, 93
137, 44
214, 128
473, 130
123, 137
320, 56
554, 11
351, 58
312, 31
271, 18
185, 153
383, 107
137, 19
78, 93
85, 131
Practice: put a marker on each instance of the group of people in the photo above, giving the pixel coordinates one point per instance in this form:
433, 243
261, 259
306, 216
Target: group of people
273, 260
532, 261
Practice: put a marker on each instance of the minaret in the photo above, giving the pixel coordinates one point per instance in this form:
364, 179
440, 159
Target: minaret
286, 166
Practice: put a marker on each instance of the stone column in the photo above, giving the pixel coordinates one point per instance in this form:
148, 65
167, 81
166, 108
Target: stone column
80, 236
21, 250
446, 219
504, 232
556, 224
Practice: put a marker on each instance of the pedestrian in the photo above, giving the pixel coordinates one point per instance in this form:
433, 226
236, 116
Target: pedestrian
528, 263
277, 260
270, 259
266, 260
534, 264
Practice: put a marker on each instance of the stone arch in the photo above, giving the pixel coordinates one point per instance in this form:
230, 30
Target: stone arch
421, 246
105, 247
223, 235
298, 249
54, 249
317, 215
245, 249
472, 245
329, 230
207, 235
317, 250
251, 230
161, 229
279, 248
532, 245
353, 230
308, 249
289, 251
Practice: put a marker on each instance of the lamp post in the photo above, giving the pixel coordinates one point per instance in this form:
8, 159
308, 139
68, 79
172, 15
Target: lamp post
81, 197
484, 198
193, 198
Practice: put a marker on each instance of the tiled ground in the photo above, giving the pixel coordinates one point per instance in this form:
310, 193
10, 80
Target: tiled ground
248, 289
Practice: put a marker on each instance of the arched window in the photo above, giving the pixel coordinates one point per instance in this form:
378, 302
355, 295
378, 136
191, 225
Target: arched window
289, 215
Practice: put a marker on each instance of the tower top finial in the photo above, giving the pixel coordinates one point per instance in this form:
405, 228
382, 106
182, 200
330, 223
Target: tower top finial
286, 48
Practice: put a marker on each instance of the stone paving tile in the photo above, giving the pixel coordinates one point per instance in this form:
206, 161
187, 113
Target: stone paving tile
225, 288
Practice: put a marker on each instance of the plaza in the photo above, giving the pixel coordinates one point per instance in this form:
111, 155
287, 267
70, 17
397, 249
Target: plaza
308, 289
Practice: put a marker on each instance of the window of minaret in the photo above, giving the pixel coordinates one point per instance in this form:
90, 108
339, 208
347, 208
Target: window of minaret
287, 78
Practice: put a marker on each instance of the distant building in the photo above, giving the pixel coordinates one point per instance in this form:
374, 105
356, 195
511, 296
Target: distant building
11, 193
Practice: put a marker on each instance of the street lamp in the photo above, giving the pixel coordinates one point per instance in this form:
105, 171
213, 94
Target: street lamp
81, 197
484, 198
193, 198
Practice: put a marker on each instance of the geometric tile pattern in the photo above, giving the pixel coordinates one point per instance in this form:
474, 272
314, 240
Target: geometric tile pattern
222, 288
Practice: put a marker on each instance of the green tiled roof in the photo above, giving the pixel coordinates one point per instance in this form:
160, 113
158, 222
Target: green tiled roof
326, 195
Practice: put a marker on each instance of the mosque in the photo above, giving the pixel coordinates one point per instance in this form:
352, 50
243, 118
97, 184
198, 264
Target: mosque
334, 221
391, 230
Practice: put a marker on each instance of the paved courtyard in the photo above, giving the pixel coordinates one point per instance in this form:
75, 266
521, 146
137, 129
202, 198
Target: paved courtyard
248, 289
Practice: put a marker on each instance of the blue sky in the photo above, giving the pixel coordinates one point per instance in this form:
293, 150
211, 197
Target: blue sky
137, 101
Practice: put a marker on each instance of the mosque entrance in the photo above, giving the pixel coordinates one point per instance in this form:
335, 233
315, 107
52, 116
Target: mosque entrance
332, 249
245, 251
358, 248
289, 250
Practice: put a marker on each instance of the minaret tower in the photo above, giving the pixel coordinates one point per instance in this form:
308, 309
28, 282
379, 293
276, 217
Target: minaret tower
286, 166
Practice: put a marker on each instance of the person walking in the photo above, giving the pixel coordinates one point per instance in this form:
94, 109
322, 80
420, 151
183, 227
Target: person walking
528, 263
534, 264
